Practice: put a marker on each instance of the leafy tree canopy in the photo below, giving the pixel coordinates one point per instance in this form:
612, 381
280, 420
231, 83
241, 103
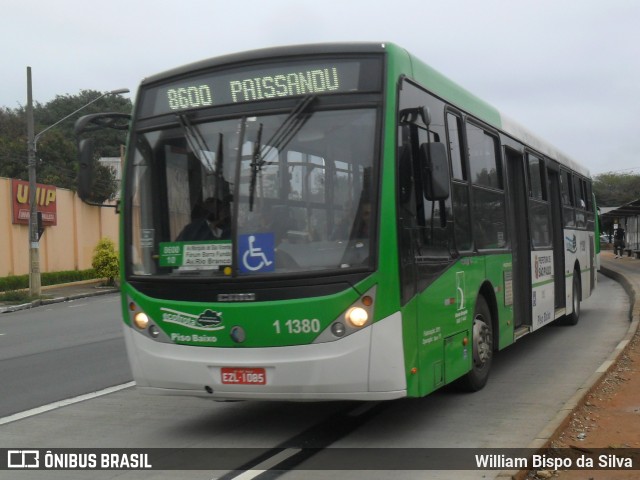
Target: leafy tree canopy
614, 189
56, 153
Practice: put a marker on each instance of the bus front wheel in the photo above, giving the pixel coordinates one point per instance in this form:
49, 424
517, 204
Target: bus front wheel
482, 346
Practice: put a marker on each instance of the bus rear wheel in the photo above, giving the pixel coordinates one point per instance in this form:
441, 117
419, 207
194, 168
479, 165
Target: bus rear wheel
482, 347
573, 317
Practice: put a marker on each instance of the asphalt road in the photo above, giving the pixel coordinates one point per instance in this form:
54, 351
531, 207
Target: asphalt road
529, 384
59, 351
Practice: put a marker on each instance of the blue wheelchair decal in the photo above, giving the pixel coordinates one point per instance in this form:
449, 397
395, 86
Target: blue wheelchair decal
256, 252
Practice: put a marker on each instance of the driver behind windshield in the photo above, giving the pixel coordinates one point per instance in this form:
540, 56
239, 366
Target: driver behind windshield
210, 220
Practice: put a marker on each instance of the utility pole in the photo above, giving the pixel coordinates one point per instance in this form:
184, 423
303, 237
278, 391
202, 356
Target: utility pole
35, 285
34, 241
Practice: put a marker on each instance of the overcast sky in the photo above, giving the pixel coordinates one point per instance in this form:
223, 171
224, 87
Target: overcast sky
568, 70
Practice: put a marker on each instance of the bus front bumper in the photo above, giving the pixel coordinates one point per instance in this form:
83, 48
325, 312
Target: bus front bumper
367, 365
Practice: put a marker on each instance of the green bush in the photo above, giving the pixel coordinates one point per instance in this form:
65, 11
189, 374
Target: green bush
20, 282
14, 282
105, 260
54, 278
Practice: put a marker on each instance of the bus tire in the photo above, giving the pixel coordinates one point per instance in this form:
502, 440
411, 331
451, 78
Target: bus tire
573, 317
482, 348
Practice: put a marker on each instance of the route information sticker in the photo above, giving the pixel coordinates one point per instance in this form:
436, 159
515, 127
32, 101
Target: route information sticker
196, 255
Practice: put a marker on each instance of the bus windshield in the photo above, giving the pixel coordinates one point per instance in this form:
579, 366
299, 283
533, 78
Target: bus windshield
269, 194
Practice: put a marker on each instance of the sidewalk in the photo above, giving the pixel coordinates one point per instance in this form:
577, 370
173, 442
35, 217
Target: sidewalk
62, 293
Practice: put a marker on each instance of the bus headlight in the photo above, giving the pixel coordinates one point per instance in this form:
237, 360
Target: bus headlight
357, 316
141, 320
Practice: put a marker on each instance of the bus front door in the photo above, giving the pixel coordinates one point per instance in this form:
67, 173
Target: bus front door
519, 234
557, 227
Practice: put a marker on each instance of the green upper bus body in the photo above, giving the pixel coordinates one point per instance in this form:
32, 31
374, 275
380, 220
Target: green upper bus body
285, 238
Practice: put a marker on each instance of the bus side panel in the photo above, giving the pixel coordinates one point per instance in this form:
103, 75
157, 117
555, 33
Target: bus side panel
579, 252
443, 313
445, 317
500, 276
411, 351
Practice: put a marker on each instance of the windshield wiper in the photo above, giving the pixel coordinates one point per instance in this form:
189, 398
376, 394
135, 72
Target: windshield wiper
196, 142
256, 164
291, 125
200, 149
281, 137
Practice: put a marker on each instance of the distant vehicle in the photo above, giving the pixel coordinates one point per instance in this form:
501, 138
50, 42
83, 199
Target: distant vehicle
605, 238
387, 230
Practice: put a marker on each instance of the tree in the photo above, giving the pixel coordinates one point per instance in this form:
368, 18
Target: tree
615, 189
56, 153
13, 144
105, 185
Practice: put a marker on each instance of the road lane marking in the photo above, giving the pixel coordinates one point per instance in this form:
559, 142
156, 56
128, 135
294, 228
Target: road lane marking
323, 434
268, 464
64, 403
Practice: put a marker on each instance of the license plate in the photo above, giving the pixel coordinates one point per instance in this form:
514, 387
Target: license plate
243, 376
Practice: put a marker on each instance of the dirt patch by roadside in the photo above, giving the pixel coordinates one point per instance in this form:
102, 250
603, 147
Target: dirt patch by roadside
608, 417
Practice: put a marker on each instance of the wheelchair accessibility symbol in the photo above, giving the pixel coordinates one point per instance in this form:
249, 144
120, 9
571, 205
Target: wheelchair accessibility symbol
257, 252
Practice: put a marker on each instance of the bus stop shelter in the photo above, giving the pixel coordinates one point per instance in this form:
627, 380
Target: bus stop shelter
627, 216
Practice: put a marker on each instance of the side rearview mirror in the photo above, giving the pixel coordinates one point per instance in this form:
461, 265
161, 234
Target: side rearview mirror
86, 159
85, 171
98, 121
435, 171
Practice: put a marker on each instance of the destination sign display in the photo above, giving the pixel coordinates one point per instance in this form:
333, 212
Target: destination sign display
250, 84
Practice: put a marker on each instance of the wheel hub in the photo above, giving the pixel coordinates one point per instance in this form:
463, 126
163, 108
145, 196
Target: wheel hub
482, 342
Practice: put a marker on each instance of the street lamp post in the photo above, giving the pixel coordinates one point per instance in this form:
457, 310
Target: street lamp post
32, 145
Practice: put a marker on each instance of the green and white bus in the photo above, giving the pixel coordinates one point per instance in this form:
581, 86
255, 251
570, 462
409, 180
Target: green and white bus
336, 222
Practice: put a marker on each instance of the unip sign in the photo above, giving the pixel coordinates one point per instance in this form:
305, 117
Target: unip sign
45, 201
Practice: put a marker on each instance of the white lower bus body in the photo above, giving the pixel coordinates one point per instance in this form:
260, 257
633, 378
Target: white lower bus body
367, 365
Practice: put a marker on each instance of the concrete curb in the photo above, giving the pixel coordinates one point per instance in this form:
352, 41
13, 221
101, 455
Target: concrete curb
564, 415
97, 293
60, 299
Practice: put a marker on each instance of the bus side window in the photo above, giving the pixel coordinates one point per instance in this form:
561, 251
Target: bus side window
460, 184
404, 168
566, 186
489, 213
580, 204
539, 213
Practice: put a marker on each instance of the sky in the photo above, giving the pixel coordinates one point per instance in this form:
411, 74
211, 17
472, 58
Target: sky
568, 70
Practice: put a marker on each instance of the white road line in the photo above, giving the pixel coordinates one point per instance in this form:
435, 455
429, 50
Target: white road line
268, 464
63, 403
